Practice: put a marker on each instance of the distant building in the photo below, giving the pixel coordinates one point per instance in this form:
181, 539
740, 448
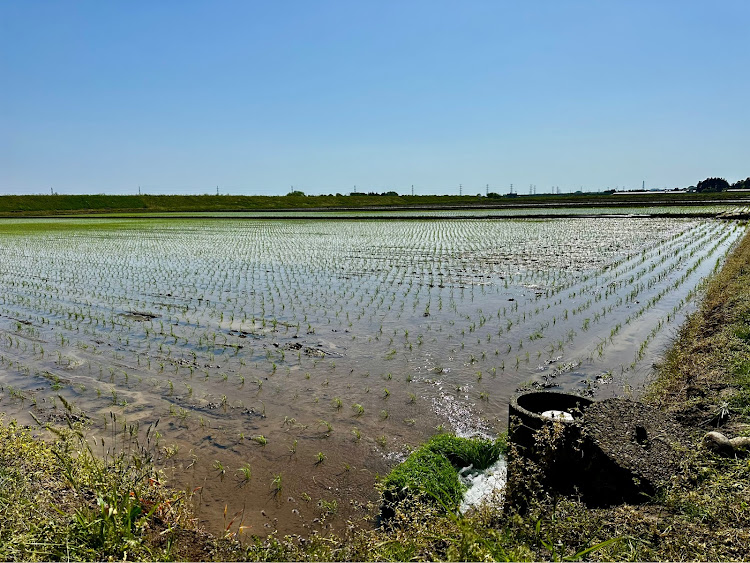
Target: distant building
641, 192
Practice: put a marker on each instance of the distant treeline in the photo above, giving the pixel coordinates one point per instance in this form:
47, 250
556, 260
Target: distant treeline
721, 185
37, 205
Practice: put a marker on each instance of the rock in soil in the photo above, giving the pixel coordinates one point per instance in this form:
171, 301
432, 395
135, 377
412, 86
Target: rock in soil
718, 443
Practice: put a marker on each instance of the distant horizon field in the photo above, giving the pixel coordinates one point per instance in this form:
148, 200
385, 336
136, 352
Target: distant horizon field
52, 205
426, 213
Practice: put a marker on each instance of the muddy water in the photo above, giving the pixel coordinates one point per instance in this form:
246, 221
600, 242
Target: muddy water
315, 353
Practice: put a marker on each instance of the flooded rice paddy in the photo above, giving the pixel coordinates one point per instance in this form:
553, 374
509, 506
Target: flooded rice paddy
289, 363
506, 211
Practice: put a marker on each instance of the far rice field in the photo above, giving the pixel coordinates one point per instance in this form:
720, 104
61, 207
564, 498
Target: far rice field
281, 366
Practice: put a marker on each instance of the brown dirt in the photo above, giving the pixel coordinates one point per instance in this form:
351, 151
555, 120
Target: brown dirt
635, 441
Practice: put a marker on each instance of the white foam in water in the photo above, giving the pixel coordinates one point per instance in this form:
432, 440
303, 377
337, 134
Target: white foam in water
483, 485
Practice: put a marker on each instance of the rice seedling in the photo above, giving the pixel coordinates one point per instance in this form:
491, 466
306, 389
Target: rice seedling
245, 472
326, 425
220, 469
260, 439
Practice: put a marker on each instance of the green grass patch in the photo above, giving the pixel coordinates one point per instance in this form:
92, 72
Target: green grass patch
742, 332
462, 452
431, 471
739, 401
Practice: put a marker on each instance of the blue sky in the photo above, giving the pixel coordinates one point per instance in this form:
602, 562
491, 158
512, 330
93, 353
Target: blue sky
256, 97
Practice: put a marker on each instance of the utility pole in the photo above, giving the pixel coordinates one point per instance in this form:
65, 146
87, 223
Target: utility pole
511, 188
412, 190
487, 190
460, 189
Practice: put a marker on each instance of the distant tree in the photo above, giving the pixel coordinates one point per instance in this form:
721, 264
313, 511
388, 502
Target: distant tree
296, 193
712, 185
742, 184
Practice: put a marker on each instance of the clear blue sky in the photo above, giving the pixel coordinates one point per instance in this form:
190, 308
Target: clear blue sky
180, 96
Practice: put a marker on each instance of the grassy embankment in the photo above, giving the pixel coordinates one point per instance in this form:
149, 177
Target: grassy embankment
55, 205
60, 501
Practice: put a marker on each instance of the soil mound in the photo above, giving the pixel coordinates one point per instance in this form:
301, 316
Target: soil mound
630, 450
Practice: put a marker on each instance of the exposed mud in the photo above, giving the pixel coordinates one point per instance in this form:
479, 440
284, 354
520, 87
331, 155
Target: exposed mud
139, 316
